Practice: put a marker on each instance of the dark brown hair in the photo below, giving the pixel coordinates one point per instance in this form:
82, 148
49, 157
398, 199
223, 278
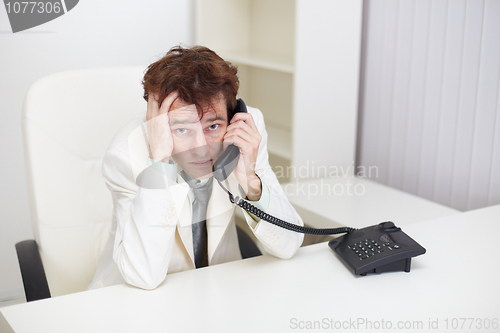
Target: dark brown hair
197, 73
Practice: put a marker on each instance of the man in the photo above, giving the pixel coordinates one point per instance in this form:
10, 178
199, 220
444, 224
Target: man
169, 213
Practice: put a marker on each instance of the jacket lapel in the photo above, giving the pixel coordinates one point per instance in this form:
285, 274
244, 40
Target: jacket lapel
184, 225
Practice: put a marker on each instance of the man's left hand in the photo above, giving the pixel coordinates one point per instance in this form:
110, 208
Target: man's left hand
243, 133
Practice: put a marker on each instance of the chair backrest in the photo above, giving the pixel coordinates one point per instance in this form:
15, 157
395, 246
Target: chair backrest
69, 119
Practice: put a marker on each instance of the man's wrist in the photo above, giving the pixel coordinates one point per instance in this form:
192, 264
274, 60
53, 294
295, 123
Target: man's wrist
254, 188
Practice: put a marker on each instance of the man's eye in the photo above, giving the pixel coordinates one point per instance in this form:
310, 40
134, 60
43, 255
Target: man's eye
213, 127
181, 130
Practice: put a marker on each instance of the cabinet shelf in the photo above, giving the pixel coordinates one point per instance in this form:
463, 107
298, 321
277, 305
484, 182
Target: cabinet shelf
260, 60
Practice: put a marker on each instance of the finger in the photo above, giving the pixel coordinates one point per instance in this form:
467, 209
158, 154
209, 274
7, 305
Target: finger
168, 101
235, 140
245, 117
155, 109
242, 140
245, 148
242, 127
152, 107
243, 135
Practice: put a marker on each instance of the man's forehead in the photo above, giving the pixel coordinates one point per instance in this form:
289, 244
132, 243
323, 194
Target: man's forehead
185, 113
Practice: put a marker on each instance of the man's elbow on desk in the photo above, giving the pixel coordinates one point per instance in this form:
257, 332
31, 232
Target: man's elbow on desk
278, 242
140, 277
144, 283
288, 253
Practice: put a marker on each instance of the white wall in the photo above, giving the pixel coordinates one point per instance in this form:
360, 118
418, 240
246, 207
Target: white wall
430, 105
94, 34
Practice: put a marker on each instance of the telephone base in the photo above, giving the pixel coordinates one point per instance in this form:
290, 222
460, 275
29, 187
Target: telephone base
400, 265
376, 249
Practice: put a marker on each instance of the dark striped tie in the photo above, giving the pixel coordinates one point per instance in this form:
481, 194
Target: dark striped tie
200, 236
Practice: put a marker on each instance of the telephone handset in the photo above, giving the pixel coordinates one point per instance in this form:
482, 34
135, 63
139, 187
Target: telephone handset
228, 160
379, 248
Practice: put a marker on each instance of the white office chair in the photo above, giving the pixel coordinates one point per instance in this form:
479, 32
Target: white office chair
68, 121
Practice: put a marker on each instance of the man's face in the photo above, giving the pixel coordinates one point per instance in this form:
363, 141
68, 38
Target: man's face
197, 142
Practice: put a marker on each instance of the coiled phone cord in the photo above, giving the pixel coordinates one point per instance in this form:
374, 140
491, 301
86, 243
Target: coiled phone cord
280, 223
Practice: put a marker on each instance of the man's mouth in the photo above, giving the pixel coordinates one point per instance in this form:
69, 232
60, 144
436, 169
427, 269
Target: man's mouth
201, 163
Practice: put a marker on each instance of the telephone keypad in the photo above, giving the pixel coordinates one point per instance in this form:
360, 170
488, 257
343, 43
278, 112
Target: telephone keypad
369, 247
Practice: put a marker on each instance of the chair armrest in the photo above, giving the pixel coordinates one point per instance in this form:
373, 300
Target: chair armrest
32, 272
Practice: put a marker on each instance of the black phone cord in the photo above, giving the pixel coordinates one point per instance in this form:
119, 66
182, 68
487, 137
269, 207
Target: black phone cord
280, 223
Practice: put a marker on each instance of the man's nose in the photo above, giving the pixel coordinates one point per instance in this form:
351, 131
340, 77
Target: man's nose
200, 145
200, 139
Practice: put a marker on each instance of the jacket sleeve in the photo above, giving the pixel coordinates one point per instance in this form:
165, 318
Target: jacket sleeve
277, 241
146, 218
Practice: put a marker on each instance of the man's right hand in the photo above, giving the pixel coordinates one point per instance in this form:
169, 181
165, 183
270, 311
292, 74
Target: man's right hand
159, 135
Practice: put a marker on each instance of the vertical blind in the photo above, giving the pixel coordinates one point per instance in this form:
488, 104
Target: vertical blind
429, 117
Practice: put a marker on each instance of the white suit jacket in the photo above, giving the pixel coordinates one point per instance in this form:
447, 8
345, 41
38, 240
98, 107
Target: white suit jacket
151, 232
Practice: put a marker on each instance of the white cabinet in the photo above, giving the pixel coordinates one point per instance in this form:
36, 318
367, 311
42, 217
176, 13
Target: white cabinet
298, 63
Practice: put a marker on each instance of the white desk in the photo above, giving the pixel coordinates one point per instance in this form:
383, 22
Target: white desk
358, 202
456, 278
